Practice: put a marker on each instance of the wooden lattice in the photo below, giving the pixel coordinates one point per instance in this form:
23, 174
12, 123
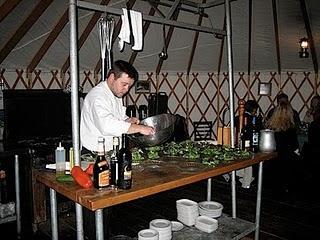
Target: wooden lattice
198, 97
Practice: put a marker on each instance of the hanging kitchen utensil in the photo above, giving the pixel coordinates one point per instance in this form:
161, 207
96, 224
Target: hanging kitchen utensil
164, 55
110, 28
224, 132
102, 25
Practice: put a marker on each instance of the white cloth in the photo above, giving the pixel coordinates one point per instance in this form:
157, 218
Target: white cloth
102, 115
136, 24
245, 175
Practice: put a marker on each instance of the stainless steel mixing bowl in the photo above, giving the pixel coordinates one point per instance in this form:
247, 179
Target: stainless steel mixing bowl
164, 127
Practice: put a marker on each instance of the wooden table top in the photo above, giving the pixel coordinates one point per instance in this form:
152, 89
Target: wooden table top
147, 180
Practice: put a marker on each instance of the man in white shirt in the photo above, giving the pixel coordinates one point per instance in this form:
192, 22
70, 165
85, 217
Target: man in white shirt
103, 113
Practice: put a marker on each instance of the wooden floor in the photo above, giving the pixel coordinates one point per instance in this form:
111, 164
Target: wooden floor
284, 215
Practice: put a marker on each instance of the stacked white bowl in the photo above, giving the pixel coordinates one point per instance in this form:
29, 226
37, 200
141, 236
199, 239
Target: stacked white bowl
206, 224
210, 209
163, 226
187, 211
148, 234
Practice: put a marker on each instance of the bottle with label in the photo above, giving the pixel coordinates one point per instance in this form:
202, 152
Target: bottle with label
255, 136
125, 165
245, 136
114, 162
60, 155
101, 170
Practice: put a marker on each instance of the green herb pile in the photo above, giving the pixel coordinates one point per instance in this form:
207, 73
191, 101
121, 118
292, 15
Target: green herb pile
203, 152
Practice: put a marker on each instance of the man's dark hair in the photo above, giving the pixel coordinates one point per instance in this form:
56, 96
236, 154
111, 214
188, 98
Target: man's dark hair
282, 97
250, 106
121, 66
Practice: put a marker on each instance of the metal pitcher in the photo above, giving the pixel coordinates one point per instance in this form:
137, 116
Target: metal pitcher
267, 142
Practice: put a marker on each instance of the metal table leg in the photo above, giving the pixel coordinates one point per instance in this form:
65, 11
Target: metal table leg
258, 207
17, 189
233, 190
209, 189
54, 215
79, 222
99, 224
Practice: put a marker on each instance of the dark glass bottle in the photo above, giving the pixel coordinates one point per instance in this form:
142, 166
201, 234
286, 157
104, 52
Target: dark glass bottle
245, 136
3, 187
125, 164
114, 162
255, 136
101, 170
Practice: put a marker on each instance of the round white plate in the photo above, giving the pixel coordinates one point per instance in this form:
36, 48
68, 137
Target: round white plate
176, 226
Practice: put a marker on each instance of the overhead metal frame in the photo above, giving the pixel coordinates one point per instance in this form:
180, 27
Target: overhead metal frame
74, 76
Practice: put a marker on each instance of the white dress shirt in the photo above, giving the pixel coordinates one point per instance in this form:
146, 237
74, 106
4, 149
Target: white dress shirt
102, 115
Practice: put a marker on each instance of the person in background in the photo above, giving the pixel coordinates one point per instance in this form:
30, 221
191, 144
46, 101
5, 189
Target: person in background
283, 123
283, 98
311, 149
251, 108
315, 103
103, 113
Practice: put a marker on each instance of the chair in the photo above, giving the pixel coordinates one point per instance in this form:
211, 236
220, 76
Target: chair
202, 130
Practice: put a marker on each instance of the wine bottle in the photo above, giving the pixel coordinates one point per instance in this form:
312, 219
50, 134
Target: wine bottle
125, 164
101, 170
114, 162
245, 136
255, 136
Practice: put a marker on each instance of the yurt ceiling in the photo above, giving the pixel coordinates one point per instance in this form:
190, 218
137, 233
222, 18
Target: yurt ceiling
265, 35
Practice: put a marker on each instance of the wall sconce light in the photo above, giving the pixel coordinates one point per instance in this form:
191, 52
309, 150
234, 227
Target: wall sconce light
304, 48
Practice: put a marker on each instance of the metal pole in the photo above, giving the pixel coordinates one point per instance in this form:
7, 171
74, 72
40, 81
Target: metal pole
230, 72
79, 222
209, 189
231, 100
74, 73
74, 80
233, 194
17, 188
99, 224
258, 207
54, 215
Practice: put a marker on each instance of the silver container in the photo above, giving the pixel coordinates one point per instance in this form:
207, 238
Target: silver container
163, 125
267, 142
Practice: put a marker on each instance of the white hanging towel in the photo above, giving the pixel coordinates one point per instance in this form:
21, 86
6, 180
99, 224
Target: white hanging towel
136, 23
136, 20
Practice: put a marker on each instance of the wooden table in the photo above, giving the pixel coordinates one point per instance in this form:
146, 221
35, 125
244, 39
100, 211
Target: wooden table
145, 183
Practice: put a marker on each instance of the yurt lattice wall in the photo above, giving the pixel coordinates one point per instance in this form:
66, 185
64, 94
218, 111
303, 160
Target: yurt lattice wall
198, 96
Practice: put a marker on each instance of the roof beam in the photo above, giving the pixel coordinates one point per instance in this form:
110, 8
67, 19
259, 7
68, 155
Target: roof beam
309, 33
24, 27
48, 42
7, 7
222, 45
169, 4
249, 38
153, 19
173, 9
194, 44
167, 41
213, 3
276, 33
84, 35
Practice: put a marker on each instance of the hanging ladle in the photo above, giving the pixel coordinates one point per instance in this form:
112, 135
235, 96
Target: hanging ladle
164, 55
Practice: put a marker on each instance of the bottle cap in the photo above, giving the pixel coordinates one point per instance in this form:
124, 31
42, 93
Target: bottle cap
60, 147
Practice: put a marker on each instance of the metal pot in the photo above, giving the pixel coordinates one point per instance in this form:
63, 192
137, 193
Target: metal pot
267, 142
164, 127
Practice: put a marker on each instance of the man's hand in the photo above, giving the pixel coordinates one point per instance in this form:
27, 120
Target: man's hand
146, 130
133, 120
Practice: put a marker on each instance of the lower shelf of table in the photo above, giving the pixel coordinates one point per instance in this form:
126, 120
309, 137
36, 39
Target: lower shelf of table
228, 228
8, 219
